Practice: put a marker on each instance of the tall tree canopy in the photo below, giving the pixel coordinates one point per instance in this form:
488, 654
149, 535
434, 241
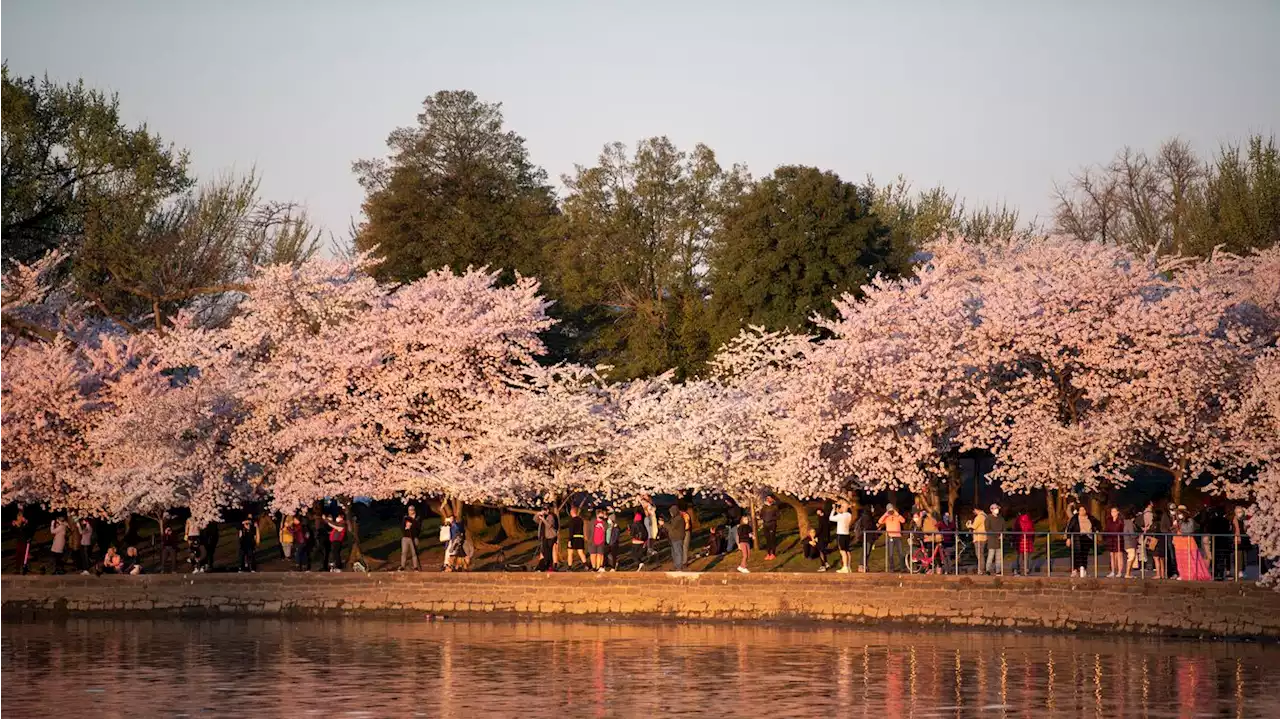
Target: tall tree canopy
67, 154
791, 244
458, 190
631, 253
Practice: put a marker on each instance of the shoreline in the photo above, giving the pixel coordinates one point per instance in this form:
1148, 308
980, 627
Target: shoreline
1137, 607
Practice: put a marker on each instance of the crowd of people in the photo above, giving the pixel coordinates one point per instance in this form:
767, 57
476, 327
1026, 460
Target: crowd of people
1157, 540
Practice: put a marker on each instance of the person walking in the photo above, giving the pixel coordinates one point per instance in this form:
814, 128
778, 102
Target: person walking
893, 522
248, 537
169, 541
1026, 530
337, 535
26, 532
1080, 533
639, 540
769, 515
995, 541
675, 535
744, 543
1113, 540
410, 530
842, 518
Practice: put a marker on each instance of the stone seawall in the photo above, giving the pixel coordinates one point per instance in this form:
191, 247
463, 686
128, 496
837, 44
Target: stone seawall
1137, 606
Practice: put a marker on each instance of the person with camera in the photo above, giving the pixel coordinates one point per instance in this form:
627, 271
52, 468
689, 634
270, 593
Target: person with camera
843, 519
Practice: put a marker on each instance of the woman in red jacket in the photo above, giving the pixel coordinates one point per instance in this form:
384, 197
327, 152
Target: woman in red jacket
1026, 530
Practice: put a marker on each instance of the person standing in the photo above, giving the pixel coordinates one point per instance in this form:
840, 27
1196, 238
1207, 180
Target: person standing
548, 534
26, 532
410, 530
744, 543
769, 514
1130, 529
892, 522
285, 534
639, 540
1241, 541
599, 539
687, 513
337, 535
248, 537
613, 539
211, 535
995, 541
577, 537
85, 528
843, 520
823, 522
1026, 530
59, 529
169, 541
1080, 531
978, 525
1113, 539
675, 536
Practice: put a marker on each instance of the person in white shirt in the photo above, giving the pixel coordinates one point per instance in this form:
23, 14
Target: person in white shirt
843, 519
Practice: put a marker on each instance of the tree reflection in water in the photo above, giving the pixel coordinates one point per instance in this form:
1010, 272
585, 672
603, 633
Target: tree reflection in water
266, 667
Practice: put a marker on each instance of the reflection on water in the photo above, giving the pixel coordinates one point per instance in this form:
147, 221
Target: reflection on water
376, 668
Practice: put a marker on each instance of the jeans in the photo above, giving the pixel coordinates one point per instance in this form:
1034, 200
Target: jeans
677, 554
548, 547
1024, 559
733, 536
995, 560
980, 550
248, 562
638, 552
168, 559
408, 548
771, 538
335, 555
897, 556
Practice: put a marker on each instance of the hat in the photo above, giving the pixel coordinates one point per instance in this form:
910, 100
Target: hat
888, 507
637, 517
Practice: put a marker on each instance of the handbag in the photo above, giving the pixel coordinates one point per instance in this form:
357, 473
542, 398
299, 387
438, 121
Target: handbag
1151, 543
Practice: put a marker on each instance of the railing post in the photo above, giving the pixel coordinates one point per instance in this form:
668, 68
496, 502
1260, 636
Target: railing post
1095, 555
886, 552
1001, 557
1235, 558
1048, 553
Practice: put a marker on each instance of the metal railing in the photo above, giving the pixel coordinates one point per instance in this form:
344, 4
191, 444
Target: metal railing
1216, 557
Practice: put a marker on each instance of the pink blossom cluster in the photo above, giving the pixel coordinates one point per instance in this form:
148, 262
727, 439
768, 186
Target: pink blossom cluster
1073, 363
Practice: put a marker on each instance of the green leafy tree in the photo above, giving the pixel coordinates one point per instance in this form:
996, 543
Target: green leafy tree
630, 255
65, 151
794, 241
137, 262
1238, 208
457, 190
922, 216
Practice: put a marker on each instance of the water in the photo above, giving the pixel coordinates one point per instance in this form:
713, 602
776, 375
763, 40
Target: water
385, 668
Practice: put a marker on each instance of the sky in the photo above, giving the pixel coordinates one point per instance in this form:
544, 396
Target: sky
996, 100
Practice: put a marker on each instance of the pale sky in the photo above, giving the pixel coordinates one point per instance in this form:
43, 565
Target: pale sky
995, 99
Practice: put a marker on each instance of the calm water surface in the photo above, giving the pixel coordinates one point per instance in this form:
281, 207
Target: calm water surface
377, 668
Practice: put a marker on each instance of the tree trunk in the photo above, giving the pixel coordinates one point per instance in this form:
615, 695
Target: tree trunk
1175, 491
929, 498
803, 522
755, 522
1056, 503
1097, 508
512, 528
954, 480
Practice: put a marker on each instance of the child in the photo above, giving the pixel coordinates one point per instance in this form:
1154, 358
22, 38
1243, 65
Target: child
639, 540
744, 543
715, 542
